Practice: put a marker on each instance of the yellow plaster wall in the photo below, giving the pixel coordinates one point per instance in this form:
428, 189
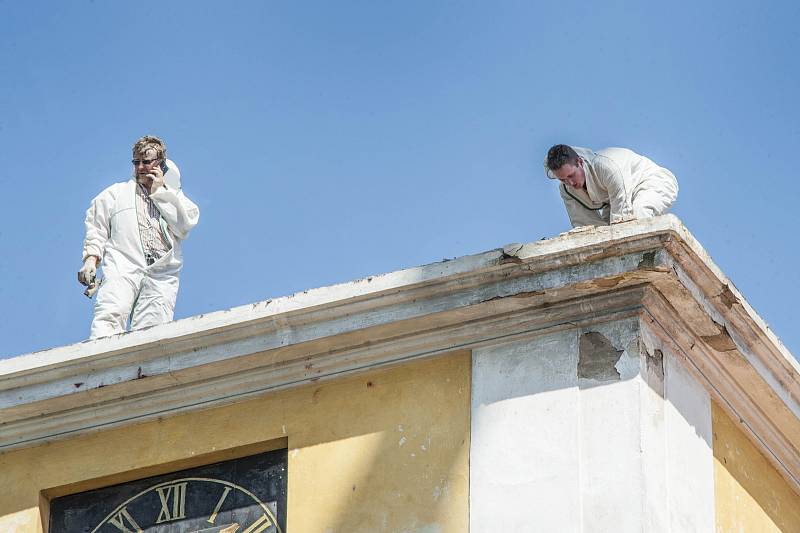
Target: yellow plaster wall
382, 451
751, 496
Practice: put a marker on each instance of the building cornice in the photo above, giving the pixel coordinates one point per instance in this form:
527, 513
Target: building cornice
653, 268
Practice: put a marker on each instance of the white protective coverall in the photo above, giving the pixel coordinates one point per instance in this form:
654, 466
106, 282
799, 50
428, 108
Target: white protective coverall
130, 284
620, 185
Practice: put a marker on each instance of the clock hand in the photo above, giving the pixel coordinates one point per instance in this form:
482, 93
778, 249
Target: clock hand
230, 529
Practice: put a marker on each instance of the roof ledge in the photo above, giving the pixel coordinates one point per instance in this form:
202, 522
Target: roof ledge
652, 267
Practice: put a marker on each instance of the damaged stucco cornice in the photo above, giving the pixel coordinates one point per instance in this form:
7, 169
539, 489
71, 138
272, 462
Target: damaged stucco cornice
369, 293
577, 278
293, 340
771, 424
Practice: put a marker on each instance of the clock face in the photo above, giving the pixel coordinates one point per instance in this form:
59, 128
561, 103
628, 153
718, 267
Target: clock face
245, 495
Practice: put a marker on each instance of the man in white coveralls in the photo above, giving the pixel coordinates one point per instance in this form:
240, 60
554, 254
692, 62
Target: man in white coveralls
135, 228
609, 186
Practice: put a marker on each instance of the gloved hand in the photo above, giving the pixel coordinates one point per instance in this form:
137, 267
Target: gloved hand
623, 219
88, 271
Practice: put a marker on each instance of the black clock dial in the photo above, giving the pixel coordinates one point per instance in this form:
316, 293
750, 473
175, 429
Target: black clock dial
245, 495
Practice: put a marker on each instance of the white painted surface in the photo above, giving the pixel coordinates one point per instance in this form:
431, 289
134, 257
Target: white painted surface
550, 451
655, 509
554, 452
690, 458
609, 440
523, 467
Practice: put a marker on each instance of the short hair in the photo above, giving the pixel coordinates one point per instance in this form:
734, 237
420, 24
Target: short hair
149, 142
559, 155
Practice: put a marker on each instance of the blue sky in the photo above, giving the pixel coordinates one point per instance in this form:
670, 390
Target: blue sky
326, 141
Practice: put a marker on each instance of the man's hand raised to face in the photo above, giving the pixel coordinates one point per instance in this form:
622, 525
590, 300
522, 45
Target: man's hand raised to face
147, 168
157, 176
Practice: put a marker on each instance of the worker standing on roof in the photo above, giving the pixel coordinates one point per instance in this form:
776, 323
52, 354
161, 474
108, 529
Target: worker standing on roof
135, 228
609, 186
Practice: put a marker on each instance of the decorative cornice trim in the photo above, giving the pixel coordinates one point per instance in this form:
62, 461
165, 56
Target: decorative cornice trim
742, 394
652, 266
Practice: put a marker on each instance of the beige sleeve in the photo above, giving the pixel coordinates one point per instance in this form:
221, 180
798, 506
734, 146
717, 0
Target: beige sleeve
610, 175
580, 215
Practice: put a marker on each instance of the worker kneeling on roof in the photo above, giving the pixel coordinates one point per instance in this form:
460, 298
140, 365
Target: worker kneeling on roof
609, 186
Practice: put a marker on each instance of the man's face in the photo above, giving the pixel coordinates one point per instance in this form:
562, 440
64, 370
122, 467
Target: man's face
143, 163
571, 175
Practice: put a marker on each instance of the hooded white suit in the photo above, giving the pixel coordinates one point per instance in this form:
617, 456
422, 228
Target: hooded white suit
130, 284
620, 185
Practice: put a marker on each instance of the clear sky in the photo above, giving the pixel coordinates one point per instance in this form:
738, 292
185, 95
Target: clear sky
327, 141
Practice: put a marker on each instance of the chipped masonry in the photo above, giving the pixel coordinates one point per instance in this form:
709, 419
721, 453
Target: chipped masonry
598, 357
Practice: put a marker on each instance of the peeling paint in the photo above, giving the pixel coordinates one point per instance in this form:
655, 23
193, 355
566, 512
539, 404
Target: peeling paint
655, 364
529, 294
727, 297
512, 249
510, 259
629, 365
509, 254
597, 358
722, 341
607, 283
648, 261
